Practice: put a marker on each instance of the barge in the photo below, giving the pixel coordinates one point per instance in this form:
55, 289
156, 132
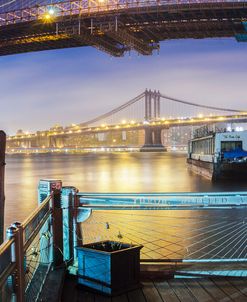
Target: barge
218, 155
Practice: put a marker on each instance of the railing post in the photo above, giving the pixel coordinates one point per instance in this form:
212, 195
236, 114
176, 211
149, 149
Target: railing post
57, 226
20, 273
68, 194
16, 232
77, 234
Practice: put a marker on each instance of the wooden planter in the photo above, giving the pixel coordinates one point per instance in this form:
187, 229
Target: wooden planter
108, 266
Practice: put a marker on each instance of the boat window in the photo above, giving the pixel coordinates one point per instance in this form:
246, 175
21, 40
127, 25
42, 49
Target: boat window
203, 146
231, 146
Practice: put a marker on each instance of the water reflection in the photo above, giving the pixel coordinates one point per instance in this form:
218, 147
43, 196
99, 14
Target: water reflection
117, 172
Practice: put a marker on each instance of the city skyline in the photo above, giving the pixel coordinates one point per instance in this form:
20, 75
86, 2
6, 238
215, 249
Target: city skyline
73, 85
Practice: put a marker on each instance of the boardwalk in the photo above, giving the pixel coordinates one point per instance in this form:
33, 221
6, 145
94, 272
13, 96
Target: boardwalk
172, 290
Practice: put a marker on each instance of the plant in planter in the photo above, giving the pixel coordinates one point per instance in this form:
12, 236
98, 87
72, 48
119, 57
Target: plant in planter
110, 267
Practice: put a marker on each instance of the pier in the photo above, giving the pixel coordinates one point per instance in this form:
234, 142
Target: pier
183, 235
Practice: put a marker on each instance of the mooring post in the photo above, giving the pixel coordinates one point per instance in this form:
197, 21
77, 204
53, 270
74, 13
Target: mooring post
2, 170
57, 225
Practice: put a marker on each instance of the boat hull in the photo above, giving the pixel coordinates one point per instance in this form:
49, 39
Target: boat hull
217, 171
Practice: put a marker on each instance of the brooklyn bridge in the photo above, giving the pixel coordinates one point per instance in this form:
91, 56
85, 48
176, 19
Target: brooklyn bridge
141, 122
115, 26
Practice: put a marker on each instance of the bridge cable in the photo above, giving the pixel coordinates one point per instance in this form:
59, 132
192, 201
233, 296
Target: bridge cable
198, 105
7, 3
116, 110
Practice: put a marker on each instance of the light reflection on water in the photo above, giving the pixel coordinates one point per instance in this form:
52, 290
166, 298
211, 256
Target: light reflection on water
118, 172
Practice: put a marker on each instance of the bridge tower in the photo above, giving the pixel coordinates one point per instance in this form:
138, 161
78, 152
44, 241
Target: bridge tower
152, 105
152, 113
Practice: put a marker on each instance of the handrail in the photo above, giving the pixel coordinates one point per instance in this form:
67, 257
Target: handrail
32, 216
161, 200
8, 267
5, 245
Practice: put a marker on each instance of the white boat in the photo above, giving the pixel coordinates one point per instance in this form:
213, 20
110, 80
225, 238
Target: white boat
217, 155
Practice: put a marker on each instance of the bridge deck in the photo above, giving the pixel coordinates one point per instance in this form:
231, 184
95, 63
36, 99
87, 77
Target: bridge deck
115, 29
201, 289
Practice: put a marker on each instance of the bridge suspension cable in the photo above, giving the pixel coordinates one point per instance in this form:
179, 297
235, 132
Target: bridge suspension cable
7, 3
114, 111
198, 105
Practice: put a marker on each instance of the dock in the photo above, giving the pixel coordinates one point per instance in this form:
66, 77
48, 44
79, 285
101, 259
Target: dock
193, 247
170, 290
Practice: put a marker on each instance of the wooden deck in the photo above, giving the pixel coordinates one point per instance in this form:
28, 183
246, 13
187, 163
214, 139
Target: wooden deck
171, 290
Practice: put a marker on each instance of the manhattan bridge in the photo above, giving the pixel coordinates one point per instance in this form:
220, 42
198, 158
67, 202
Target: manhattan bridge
139, 122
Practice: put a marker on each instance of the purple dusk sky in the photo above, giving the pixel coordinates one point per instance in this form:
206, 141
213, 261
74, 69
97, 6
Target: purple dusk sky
68, 86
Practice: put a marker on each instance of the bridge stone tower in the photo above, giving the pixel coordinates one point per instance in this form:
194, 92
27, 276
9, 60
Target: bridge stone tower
152, 105
152, 113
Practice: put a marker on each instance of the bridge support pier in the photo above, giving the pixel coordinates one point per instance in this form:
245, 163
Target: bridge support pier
153, 141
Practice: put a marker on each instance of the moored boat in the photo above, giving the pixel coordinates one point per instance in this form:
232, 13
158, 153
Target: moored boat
218, 155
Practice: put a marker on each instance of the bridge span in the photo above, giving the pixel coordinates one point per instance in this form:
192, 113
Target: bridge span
138, 122
115, 26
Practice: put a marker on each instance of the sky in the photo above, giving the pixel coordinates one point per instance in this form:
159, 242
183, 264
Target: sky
39, 90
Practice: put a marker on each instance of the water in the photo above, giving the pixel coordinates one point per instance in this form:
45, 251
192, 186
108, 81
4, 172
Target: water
108, 172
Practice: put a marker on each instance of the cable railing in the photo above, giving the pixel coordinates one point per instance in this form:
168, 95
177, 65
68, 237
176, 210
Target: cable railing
198, 233
13, 13
183, 233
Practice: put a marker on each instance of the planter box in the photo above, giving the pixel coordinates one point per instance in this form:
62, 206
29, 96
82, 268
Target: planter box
108, 266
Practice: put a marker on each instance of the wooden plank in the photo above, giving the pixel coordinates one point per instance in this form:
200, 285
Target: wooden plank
69, 290
121, 298
213, 289
166, 291
150, 292
240, 284
2, 172
101, 298
136, 296
181, 290
231, 291
83, 296
197, 291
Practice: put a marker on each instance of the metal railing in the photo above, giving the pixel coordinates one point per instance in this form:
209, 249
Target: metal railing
193, 233
184, 233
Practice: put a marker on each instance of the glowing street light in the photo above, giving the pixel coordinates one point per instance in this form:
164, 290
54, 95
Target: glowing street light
51, 11
49, 15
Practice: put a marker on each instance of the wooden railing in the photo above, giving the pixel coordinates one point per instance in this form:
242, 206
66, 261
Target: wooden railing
18, 251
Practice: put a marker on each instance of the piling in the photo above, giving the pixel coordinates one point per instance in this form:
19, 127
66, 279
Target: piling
2, 172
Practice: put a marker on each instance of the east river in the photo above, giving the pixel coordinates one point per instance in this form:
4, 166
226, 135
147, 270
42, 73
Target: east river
164, 234
101, 172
